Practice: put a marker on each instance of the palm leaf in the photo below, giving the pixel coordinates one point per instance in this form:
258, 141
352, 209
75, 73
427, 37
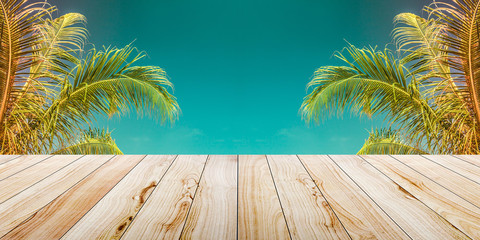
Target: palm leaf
53, 90
17, 38
61, 40
92, 141
420, 40
462, 41
375, 84
387, 141
107, 83
429, 91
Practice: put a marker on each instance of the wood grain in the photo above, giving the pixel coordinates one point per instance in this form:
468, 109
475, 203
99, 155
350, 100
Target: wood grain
14, 184
18, 164
254, 197
461, 167
164, 212
69, 207
25, 204
260, 215
460, 213
416, 219
114, 213
307, 213
6, 158
213, 214
472, 159
460, 185
362, 217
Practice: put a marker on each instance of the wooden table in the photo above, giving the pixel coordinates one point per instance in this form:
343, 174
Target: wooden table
239, 197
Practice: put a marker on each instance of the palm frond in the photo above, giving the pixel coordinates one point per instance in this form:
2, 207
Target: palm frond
17, 38
461, 39
92, 141
429, 91
61, 40
107, 83
388, 141
375, 84
50, 89
419, 40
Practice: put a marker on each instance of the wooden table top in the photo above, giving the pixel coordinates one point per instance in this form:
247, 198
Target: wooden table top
239, 197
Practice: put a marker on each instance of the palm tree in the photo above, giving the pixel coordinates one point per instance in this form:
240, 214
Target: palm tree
53, 89
427, 90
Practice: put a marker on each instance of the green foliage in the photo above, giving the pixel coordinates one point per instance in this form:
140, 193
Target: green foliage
52, 87
92, 141
387, 141
427, 89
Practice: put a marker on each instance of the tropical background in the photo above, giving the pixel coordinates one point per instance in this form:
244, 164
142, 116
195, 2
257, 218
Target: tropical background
241, 69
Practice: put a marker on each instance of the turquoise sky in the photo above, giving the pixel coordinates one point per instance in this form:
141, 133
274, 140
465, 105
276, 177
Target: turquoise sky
240, 68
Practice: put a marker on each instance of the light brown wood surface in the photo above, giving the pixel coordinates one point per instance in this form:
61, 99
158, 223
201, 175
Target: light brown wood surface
14, 184
460, 213
69, 207
239, 197
416, 219
360, 215
460, 185
213, 214
25, 204
308, 214
260, 215
164, 212
472, 159
18, 164
114, 213
6, 158
463, 168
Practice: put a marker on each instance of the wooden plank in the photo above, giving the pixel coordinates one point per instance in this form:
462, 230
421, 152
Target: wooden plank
461, 167
472, 159
213, 214
360, 215
23, 205
18, 164
24, 179
416, 219
308, 214
460, 185
260, 215
164, 212
69, 207
112, 215
6, 158
460, 213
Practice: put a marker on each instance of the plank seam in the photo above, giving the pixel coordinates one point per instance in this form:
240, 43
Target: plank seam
456, 156
28, 219
26, 167
141, 207
323, 196
278, 196
194, 195
12, 159
435, 182
416, 197
451, 170
103, 196
44, 178
368, 195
